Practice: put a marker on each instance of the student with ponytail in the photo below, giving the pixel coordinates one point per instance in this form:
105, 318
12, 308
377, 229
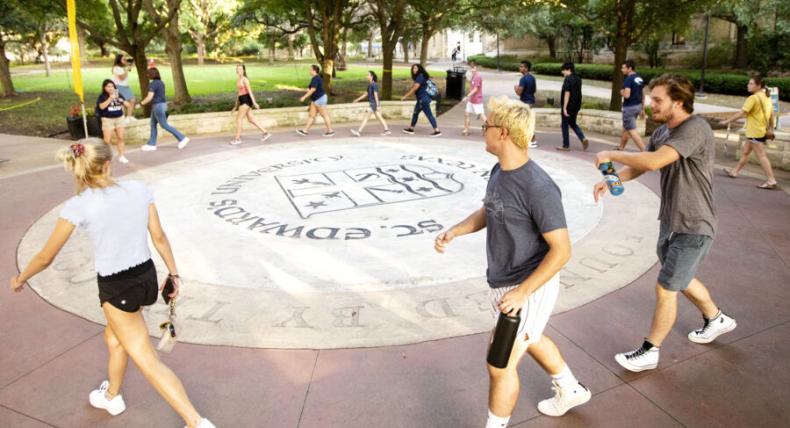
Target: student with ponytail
759, 119
126, 275
245, 102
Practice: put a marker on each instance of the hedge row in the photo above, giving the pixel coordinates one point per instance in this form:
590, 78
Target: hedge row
716, 82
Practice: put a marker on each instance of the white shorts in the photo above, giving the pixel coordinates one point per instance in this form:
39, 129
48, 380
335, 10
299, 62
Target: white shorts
474, 108
536, 310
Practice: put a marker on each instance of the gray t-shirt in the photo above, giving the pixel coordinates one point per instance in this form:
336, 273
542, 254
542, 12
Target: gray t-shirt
521, 205
687, 184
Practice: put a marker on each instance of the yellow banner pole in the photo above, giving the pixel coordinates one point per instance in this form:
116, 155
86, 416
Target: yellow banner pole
76, 71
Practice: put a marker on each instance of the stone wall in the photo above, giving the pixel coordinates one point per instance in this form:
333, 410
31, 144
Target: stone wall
225, 122
600, 121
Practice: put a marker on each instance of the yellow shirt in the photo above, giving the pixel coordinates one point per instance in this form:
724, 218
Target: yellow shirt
757, 116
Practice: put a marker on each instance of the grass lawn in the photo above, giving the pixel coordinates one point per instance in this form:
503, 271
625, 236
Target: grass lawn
213, 88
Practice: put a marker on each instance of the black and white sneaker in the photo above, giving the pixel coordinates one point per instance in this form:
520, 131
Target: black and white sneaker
329, 134
409, 131
302, 133
265, 137
639, 359
436, 134
386, 132
713, 329
355, 133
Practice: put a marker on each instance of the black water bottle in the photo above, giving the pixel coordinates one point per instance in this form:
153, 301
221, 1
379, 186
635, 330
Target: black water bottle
504, 337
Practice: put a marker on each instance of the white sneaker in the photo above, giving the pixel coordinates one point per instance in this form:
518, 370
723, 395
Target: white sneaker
148, 148
122, 159
386, 132
265, 137
98, 399
355, 132
564, 399
204, 423
713, 329
183, 143
638, 360
235, 141
533, 145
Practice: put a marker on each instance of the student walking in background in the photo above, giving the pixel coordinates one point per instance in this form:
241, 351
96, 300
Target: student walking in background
526, 88
474, 99
245, 102
156, 96
318, 103
571, 103
419, 89
120, 76
372, 94
633, 104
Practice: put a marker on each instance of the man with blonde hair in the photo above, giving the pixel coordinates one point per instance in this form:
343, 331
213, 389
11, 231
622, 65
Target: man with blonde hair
527, 244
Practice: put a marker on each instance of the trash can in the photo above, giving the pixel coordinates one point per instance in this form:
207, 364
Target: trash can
455, 83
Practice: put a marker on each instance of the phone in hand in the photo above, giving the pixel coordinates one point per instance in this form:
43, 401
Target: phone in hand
168, 289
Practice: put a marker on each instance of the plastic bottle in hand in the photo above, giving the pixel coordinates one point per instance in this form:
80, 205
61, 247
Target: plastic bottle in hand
504, 337
612, 179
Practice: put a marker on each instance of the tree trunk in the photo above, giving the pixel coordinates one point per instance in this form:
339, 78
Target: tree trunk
388, 52
552, 43
45, 53
343, 43
370, 46
173, 50
81, 42
405, 46
6, 84
741, 60
290, 47
103, 48
426, 38
327, 71
200, 41
620, 52
141, 65
272, 51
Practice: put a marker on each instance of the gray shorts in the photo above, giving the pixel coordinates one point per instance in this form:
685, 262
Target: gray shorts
630, 113
680, 255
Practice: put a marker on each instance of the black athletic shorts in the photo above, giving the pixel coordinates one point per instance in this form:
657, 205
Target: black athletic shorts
130, 289
245, 99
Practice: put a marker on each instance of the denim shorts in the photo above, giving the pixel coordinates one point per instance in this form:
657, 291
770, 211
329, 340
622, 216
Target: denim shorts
126, 92
680, 255
322, 102
630, 113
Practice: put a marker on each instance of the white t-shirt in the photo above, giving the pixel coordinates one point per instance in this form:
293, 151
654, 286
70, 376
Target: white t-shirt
117, 72
116, 219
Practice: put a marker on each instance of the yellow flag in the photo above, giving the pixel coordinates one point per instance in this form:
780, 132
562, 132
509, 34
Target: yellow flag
76, 72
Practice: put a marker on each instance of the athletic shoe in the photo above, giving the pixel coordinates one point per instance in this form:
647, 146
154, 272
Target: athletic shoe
265, 137
585, 144
713, 329
436, 134
131, 119
183, 143
564, 399
122, 159
148, 147
386, 132
639, 359
235, 141
563, 149
99, 400
356, 133
125, 120
302, 133
409, 131
329, 134
204, 423
533, 145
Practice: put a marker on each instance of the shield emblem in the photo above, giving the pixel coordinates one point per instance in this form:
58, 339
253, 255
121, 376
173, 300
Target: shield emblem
331, 191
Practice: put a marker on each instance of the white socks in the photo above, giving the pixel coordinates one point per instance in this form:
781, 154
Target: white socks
495, 421
565, 378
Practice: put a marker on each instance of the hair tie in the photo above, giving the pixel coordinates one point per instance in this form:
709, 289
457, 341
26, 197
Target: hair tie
77, 149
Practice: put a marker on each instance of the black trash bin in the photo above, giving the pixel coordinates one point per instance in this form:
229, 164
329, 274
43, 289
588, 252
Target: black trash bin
455, 83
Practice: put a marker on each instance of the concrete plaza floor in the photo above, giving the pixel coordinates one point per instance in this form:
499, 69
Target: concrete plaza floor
50, 359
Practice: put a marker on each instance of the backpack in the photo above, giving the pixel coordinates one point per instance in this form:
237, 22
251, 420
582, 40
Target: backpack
431, 89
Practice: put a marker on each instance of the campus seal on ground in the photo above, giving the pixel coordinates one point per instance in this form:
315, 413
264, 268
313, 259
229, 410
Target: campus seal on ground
329, 244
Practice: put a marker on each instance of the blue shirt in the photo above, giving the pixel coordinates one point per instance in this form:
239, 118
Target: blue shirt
317, 83
636, 83
529, 86
372, 89
421, 80
158, 88
114, 109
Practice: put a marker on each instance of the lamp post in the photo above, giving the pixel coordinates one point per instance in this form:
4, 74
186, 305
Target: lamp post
701, 93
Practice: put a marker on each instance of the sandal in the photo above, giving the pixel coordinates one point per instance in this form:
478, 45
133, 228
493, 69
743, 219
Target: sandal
766, 186
729, 173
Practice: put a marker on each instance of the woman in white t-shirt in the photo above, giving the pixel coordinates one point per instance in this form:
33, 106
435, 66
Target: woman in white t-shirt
120, 75
125, 272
